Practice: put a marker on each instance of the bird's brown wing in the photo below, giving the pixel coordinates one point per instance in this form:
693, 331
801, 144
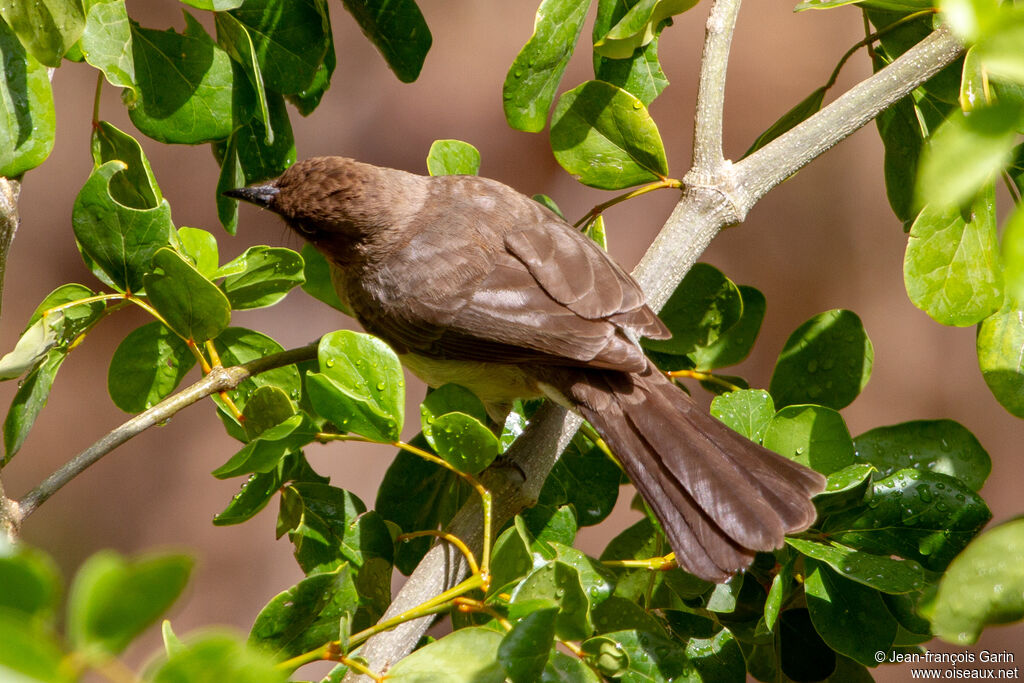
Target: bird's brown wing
540, 292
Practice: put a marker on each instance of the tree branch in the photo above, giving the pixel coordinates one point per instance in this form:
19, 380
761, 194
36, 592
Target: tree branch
707, 129
788, 153
10, 190
219, 379
717, 194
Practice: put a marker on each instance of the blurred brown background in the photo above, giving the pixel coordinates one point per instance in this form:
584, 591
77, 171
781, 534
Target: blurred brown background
824, 239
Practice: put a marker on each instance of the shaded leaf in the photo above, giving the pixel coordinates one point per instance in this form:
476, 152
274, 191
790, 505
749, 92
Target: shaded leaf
942, 446
702, 308
147, 366
827, 361
47, 28
136, 186
120, 240
192, 305
268, 274
399, 31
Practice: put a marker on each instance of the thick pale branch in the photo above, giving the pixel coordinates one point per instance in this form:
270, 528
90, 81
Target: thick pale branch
707, 145
712, 200
219, 379
784, 156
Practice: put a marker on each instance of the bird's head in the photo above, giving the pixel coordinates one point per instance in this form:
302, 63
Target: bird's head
334, 202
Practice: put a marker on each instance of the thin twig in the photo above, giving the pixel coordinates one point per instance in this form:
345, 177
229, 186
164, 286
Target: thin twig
219, 379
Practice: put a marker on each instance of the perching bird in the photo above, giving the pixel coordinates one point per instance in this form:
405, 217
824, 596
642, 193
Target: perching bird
474, 283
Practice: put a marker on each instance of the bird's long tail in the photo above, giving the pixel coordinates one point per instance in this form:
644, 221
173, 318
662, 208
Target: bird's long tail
720, 497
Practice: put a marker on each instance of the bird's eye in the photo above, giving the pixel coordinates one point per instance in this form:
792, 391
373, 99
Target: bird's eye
304, 229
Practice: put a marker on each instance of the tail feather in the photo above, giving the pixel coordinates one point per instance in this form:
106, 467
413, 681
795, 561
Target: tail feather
720, 497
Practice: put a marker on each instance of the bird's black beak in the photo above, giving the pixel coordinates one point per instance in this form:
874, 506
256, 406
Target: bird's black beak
260, 195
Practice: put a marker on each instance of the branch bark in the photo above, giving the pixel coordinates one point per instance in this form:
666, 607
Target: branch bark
219, 379
10, 191
717, 194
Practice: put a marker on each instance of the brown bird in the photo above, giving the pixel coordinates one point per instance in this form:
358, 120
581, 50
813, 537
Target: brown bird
474, 283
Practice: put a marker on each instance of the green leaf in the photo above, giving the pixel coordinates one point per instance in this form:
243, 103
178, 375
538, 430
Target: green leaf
258, 489
26, 105
237, 345
942, 446
920, 516
258, 159
464, 442
585, 478
31, 583
557, 583
317, 278
449, 398
265, 452
214, 5
469, 655
512, 558
231, 176
453, 157
703, 307
147, 367
331, 526
184, 83
28, 401
192, 305
307, 615
900, 129
998, 50
113, 599
120, 240
885, 574
733, 345
638, 657
235, 38
640, 74
307, 100
29, 651
893, 5
1000, 338
107, 43
563, 668
269, 273
135, 187
524, 651
850, 617
551, 524
844, 488
605, 137
200, 247
983, 585
964, 155
814, 436
216, 657
826, 361
714, 652
1012, 253
951, 268
399, 31
417, 495
47, 28
748, 411
638, 27
360, 386
533, 78
267, 407
803, 110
